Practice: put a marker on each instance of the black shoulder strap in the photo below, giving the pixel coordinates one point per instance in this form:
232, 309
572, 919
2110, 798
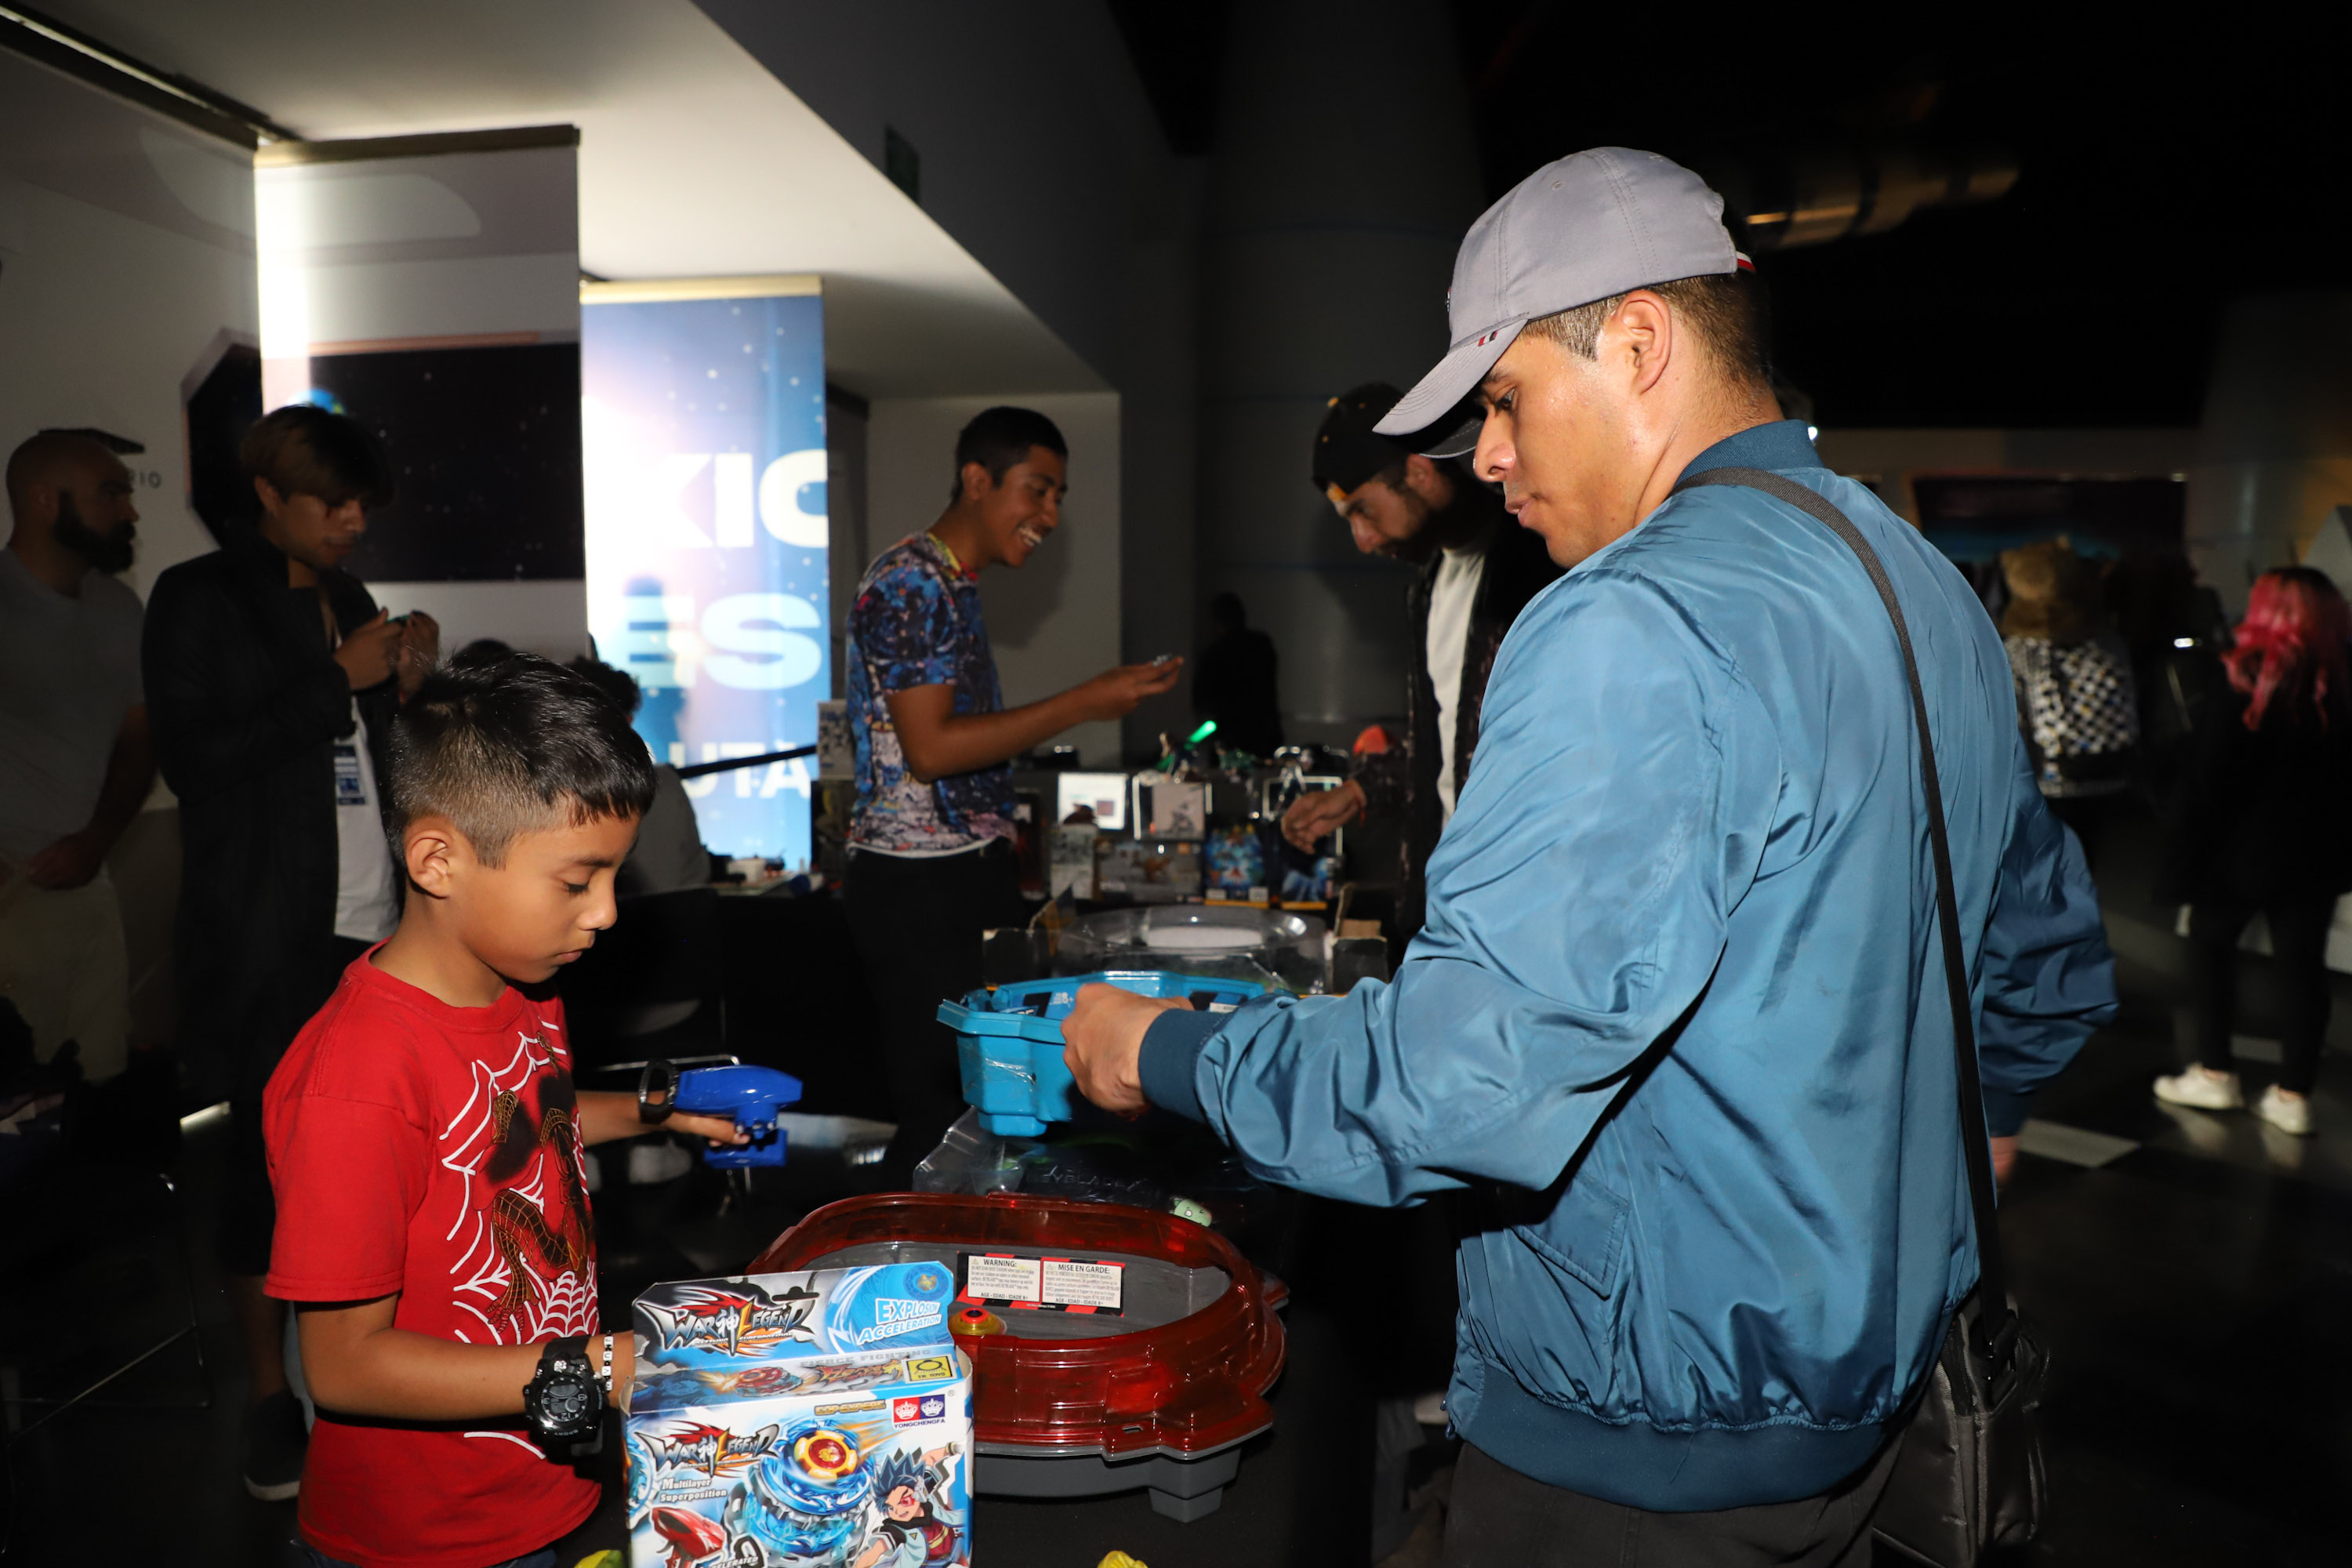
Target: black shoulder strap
1992, 1278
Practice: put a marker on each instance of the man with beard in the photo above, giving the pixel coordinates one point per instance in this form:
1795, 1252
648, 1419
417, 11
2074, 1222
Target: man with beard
275, 679
75, 765
1477, 569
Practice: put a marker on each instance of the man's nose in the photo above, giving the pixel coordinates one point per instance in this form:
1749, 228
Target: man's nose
1494, 456
602, 910
1368, 542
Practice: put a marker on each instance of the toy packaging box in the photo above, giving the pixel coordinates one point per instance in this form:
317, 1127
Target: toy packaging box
821, 1418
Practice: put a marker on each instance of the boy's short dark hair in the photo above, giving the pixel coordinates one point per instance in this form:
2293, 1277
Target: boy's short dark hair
614, 683
305, 450
1001, 437
512, 744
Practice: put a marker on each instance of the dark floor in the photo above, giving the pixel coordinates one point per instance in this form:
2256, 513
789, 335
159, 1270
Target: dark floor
2192, 1274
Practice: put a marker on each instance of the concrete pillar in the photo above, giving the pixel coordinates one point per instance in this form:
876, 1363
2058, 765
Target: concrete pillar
1343, 178
2275, 458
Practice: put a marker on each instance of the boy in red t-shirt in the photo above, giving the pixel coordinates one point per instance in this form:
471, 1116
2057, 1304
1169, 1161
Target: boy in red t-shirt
426, 1141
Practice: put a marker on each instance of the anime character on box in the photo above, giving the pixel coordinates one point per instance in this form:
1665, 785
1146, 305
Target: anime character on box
802, 1504
917, 1530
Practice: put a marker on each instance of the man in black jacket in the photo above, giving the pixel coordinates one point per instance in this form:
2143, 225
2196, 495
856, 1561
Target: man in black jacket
1477, 569
271, 680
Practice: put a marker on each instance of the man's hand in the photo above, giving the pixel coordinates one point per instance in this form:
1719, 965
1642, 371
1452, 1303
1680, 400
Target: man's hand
370, 653
420, 651
1114, 693
1312, 818
2004, 1159
71, 862
1103, 1044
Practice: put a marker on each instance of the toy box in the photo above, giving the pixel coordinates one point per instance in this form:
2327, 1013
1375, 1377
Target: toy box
820, 1419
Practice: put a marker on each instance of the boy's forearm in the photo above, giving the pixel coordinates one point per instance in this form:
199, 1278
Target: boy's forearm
606, 1115
401, 1375
394, 1373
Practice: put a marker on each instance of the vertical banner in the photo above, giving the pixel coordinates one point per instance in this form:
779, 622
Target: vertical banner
702, 413
429, 286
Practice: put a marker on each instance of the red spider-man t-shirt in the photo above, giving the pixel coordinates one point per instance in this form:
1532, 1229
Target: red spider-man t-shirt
431, 1150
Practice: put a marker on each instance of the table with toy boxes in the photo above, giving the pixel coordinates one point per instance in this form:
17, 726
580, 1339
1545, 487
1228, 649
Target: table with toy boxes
1061, 1310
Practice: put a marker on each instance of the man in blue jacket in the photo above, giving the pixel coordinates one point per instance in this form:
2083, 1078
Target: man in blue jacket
1679, 1015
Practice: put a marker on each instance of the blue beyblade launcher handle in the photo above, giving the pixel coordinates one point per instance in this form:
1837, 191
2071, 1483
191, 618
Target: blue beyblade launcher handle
750, 1095
1009, 1040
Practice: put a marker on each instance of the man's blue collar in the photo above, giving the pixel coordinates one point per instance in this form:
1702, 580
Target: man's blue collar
1779, 445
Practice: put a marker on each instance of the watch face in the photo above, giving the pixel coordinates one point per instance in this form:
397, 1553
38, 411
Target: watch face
566, 1404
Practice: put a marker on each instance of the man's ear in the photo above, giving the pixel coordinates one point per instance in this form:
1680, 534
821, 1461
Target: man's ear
1427, 480
1645, 331
268, 494
976, 482
431, 851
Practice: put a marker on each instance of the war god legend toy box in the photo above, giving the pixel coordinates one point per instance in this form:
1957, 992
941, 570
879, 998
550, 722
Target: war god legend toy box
819, 1418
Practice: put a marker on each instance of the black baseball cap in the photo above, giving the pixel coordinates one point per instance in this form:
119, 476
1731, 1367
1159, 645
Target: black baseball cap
1350, 449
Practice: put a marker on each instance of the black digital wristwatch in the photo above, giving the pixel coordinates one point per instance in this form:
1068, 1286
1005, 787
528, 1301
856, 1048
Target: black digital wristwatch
565, 1399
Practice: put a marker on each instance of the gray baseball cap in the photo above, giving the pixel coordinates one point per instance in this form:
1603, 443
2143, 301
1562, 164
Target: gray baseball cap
1588, 227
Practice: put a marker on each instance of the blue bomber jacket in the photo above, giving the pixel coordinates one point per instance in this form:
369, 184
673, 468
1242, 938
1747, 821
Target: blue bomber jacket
1678, 1017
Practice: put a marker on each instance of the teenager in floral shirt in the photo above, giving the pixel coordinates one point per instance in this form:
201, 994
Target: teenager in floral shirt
930, 865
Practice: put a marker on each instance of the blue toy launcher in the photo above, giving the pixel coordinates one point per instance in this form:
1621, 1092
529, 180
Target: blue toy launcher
1009, 1040
750, 1095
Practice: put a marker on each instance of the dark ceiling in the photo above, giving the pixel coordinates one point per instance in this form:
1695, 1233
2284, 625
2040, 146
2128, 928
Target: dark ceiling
2165, 168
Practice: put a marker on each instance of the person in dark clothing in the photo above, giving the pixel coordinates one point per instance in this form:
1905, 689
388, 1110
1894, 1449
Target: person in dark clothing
1234, 682
1477, 569
2258, 826
271, 681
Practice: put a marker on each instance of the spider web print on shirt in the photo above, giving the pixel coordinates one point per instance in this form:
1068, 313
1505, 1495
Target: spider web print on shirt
528, 1272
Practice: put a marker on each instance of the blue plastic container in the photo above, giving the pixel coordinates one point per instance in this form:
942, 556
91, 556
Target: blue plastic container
1009, 1040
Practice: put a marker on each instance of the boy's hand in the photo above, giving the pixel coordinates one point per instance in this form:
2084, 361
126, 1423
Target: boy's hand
720, 1129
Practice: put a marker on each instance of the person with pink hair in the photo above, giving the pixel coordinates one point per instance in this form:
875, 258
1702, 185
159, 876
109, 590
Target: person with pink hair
2259, 825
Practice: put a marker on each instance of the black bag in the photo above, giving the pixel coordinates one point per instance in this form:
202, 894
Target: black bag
1969, 1475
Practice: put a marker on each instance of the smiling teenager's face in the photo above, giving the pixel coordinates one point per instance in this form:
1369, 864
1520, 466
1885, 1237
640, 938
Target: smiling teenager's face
542, 908
1017, 512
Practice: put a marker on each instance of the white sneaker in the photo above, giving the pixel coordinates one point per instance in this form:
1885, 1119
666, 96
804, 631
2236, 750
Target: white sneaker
2204, 1089
2287, 1112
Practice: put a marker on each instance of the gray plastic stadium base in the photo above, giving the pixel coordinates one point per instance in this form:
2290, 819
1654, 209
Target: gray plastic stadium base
1181, 1490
